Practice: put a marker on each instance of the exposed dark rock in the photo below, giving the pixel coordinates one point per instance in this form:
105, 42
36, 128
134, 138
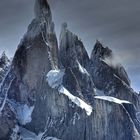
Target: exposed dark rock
36, 55
72, 49
7, 122
109, 76
4, 65
104, 56
75, 59
4, 60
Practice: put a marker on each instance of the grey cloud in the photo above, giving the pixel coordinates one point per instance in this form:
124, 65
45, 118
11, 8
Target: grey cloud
15, 15
114, 22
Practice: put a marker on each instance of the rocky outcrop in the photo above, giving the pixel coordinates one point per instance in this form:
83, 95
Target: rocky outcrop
4, 60
72, 49
109, 76
50, 94
113, 119
7, 121
7, 117
36, 55
104, 58
4, 65
75, 60
44, 17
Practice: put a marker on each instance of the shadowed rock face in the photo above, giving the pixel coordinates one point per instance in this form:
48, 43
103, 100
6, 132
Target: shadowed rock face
7, 122
74, 59
4, 60
109, 76
7, 117
101, 55
42, 10
72, 49
115, 125
4, 65
100, 52
36, 55
30, 103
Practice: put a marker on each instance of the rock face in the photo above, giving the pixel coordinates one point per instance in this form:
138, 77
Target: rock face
7, 122
72, 49
75, 60
105, 56
7, 117
109, 76
4, 65
49, 93
116, 121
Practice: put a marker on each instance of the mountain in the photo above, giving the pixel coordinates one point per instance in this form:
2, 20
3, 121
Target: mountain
109, 76
52, 92
4, 65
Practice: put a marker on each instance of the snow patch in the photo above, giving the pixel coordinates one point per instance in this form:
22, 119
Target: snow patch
6, 89
99, 92
14, 135
24, 113
82, 69
138, 115
112, 99
28, 47
55, 78
51, 138
76, 100
47, 44
1, 69
123, 82
3, 104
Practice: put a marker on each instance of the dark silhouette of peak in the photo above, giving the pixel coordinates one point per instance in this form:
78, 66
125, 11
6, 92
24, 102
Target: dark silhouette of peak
100, 51
4, 60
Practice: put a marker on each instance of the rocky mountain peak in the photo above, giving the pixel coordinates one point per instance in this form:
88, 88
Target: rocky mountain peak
4, 65
64, 26
4, 60
42, 9
72, 49
100, 51
103, 58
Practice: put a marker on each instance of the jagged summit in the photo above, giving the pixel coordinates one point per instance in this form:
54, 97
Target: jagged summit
104, 58
4, 60
72, 49
4, 65
64, 25
42, 23
100, 51
42, 9
40, 34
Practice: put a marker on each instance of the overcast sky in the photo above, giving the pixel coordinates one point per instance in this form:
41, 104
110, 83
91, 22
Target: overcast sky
116, 23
